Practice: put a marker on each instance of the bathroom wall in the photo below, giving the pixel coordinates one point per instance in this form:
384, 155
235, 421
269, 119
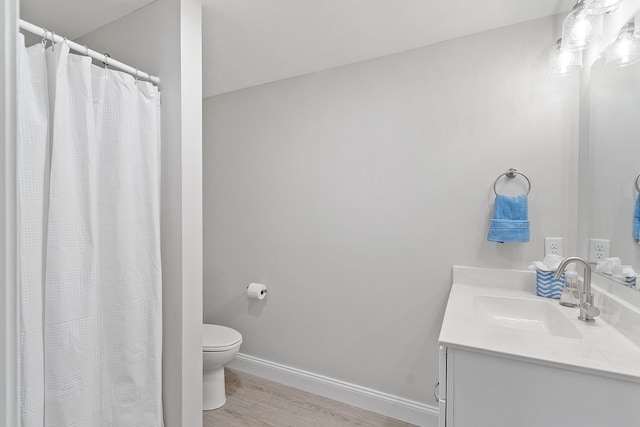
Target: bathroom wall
164, 38
352, 192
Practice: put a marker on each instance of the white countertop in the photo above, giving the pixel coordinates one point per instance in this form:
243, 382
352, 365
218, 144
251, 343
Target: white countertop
609, 347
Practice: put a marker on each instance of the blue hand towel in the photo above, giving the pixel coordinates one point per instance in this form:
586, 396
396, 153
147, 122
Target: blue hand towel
510, 221
636, 220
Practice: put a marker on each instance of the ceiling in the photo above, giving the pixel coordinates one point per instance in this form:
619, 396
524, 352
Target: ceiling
73, 18
251, 42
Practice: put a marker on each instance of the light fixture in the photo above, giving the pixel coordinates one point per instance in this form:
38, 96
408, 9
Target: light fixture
602, 6
564, 62
581, 29
625, 49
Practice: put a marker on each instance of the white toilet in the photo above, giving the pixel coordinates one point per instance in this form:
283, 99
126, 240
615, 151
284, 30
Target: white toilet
219, 346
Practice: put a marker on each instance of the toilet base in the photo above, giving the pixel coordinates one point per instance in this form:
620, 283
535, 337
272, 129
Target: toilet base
213, 390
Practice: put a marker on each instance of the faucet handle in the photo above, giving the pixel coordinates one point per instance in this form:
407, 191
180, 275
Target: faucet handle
590, 309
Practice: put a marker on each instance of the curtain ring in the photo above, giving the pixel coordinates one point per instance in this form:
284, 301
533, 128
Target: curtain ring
53, 38
106, 63
136, 82
86, 50
44, 38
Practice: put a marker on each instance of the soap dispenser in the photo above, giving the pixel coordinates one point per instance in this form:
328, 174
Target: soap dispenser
570, 294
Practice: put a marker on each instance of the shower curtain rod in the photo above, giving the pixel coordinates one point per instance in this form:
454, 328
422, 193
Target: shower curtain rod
50, 35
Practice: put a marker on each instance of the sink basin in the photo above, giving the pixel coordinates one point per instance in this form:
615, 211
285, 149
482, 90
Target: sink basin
527, 315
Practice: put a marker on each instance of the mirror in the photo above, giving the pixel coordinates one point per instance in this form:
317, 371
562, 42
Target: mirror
615, 157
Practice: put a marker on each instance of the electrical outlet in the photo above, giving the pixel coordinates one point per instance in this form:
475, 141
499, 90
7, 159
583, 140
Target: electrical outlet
553, 246
598, 249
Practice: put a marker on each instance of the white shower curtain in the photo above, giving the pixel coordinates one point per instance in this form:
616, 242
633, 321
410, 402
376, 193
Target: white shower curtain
89, 243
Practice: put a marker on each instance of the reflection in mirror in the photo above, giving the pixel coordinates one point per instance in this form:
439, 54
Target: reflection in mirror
625, 49
615, 148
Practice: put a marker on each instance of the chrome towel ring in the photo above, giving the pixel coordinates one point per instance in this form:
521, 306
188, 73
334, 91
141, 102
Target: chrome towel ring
638, 183
511, 173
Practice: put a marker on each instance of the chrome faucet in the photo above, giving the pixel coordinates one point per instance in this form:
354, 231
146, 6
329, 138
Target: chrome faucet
587, 310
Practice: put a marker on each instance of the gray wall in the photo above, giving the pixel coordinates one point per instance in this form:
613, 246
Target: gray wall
352, 192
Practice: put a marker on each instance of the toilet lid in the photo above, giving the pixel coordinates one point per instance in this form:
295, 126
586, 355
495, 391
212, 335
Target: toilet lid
219, 338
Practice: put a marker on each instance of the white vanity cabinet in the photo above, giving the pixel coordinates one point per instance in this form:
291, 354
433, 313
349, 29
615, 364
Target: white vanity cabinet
482, 390
509, 358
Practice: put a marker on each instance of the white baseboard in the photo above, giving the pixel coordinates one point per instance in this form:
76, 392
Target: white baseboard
362, 397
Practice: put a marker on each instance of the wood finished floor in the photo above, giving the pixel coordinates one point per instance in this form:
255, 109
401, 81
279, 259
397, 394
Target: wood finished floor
253, 401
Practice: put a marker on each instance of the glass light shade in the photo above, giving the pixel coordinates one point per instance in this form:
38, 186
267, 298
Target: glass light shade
602, 6
625, 49
581, 29
564, 62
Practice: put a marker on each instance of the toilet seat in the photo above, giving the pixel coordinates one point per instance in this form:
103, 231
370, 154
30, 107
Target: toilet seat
219, 338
